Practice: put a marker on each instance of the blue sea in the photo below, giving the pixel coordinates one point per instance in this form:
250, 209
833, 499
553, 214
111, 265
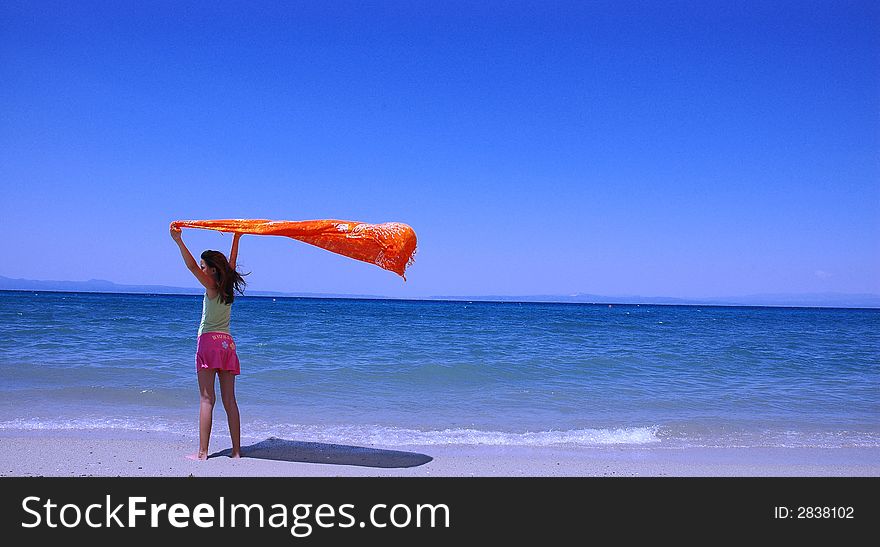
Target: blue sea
389, 373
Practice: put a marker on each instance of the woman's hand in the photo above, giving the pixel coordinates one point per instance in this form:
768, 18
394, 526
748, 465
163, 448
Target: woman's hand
176, 234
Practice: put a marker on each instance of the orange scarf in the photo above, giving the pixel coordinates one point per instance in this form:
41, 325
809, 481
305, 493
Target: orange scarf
390, 245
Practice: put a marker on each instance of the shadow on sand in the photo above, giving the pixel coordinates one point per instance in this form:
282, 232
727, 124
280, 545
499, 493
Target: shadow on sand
274, 448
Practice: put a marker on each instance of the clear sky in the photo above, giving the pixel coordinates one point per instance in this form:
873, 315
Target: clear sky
679, 149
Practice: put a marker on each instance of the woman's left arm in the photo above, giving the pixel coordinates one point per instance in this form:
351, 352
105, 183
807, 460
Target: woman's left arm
190, 262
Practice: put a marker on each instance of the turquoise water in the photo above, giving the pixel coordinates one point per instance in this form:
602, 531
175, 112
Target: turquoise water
393, 372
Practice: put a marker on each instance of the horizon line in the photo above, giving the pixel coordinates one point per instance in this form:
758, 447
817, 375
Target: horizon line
814, 299
501, 299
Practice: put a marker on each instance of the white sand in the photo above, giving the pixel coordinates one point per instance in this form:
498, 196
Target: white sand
110, 453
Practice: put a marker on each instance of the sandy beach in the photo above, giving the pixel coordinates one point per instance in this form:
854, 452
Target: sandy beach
102, 453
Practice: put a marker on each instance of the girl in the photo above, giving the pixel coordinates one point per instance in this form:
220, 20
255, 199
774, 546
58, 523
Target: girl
215, 350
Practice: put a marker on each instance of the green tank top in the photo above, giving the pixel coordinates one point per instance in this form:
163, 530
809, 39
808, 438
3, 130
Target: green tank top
215, 315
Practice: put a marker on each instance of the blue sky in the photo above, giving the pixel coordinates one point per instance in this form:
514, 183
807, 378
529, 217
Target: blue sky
678, 149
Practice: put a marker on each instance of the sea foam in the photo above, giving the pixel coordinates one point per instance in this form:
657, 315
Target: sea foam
374, 435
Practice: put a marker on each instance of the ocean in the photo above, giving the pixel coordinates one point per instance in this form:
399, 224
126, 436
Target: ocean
388, 373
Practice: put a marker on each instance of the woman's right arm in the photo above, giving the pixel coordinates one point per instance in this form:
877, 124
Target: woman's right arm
233, 254
191, 264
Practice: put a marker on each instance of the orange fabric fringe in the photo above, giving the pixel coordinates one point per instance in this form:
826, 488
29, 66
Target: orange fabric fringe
391, 245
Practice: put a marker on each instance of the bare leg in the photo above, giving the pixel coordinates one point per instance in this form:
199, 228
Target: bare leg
206, 409
227, 393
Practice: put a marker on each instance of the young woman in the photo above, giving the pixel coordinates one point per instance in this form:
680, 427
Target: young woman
215, 349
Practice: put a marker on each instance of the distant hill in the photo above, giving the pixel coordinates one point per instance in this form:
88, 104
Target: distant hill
827, 300
101, 285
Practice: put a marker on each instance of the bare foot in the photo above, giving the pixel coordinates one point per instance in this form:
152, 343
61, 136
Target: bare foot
236, 455
197, 457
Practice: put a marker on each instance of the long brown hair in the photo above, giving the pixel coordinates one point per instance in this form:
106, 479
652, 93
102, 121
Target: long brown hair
229, 281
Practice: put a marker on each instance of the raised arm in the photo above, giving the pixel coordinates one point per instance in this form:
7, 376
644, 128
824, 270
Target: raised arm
233, 254
190, 262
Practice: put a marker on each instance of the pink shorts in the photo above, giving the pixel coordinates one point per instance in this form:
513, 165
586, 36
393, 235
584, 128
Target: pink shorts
217, 350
